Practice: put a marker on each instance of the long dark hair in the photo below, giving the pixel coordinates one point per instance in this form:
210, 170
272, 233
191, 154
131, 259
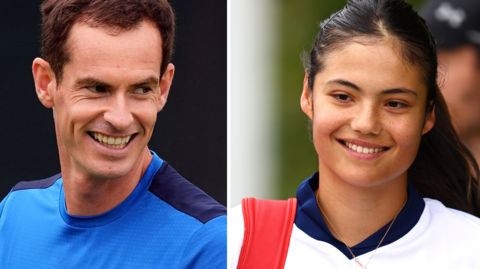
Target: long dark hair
444, 169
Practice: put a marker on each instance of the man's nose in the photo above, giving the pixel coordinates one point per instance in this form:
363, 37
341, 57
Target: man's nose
118, 113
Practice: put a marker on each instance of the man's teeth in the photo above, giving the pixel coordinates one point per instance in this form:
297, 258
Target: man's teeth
363, 149
112, 142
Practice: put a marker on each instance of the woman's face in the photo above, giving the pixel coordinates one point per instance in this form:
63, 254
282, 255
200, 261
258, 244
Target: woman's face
368, 111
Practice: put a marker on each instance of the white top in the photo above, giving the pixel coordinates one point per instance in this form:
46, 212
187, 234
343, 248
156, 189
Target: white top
425, 234
442, 238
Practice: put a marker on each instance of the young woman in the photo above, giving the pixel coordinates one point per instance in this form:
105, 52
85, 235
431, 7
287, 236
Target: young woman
394, 182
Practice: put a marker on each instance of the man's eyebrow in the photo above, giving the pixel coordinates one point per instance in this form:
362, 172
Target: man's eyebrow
152, 80
384, 92
91, 81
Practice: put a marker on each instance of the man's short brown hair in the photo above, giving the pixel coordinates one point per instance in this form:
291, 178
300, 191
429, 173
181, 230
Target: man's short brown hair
58, 17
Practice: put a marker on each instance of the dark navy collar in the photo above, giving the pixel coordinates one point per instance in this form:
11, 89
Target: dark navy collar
310, 221
118, 211
172, 188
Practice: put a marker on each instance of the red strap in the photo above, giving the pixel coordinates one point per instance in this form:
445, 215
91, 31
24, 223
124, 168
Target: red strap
268, 226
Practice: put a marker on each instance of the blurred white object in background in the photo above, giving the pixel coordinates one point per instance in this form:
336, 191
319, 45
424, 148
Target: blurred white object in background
252, 99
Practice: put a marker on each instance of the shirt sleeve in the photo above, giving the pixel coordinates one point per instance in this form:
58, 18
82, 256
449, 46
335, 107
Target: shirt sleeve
2, 204
208, 246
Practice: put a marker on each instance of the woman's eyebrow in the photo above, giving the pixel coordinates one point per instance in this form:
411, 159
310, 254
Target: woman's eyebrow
355, 87
344, 83
398, 90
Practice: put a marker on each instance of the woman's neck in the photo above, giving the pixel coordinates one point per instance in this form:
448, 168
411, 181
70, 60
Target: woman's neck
472, 141
356, 212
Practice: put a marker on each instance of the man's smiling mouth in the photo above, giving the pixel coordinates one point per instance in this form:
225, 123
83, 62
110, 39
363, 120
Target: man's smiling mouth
110, 141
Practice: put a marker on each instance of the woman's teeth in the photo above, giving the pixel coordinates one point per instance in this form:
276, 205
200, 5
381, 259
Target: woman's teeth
363, 149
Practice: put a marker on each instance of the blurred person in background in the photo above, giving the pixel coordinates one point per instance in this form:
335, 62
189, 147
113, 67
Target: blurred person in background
455, 24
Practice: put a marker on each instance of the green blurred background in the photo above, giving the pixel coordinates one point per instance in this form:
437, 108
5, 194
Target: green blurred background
299, 23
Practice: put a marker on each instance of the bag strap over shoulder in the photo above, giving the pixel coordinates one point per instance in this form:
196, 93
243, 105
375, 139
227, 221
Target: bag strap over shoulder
268, 226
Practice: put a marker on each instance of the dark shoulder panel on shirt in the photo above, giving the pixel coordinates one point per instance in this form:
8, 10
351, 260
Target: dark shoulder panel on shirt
36, 184
171, 187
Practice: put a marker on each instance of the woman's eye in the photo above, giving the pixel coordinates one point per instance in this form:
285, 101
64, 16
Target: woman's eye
142, 90
96, 89
395, 104
343, 97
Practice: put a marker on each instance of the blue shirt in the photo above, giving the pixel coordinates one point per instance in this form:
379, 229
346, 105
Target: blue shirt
166, 222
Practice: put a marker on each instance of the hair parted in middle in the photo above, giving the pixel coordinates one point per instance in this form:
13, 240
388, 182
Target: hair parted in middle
58, 17
444, 169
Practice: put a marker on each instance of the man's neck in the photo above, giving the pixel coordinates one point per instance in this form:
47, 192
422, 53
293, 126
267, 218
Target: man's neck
354, 213
85, 196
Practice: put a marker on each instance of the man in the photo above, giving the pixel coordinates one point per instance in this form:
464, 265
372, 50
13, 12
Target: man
455, 24
106, 73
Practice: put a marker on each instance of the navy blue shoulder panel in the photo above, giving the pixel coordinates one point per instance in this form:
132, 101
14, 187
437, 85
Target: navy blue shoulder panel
168, 185
36, 184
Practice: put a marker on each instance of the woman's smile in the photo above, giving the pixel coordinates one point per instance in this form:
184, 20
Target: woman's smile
371, 103
366, 152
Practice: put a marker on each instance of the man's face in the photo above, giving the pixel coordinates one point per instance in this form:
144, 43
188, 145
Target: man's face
460, 69
106, 105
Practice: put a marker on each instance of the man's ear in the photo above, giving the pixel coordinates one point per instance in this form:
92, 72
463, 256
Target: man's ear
45, 81
306, 99
429, 121
165, 83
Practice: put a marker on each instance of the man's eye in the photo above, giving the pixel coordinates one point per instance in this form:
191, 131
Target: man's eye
96, 89
142, 90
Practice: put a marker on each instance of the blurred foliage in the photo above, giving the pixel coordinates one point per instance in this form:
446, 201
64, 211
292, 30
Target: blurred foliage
299, 25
